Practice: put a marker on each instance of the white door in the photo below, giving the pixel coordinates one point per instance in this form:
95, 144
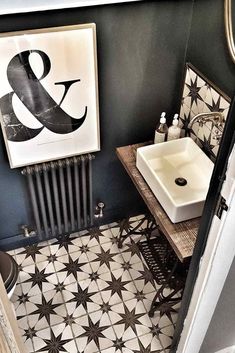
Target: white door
213, 270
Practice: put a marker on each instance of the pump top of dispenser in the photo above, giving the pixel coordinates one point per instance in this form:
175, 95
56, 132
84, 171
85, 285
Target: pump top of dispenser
175, 116
163, 118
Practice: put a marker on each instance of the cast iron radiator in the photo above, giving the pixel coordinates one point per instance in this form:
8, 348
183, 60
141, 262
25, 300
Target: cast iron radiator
61, 195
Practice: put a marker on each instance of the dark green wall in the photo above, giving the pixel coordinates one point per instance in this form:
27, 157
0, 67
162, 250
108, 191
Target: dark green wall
141, 57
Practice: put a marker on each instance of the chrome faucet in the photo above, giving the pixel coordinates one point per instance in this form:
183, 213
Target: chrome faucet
217, 118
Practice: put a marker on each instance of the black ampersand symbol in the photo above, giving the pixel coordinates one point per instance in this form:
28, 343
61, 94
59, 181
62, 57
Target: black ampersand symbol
36, 99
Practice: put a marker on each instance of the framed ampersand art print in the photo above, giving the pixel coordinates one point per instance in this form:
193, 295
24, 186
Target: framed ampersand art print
49, 93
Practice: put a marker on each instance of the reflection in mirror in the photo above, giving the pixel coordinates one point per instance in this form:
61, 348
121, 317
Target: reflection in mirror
229, 27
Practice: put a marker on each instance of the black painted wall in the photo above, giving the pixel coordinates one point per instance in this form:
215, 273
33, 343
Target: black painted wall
141, 58
207, 47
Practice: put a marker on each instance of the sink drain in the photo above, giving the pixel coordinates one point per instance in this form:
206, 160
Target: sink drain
180, 181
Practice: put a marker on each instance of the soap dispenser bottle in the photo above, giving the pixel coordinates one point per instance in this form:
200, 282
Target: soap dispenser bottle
174, 130
161, 130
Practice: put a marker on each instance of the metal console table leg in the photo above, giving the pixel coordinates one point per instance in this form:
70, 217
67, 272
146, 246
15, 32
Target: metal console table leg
126, 230
160, 300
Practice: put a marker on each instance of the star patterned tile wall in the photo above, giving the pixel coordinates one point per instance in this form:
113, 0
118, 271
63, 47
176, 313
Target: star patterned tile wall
201, 96
82, 294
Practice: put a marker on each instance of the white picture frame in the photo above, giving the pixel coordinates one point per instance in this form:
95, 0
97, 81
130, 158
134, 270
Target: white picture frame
49, 93
19, 6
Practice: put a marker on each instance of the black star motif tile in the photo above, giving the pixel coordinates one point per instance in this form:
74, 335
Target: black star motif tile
56, 339
116, 286
131, 253
29, 333
92, 238
97, 236
31, 254
207, 147
137, 269
166, 336
27, 336
194, 91
38, 277
72, 267
144, 344
63, 245
21, 315
94, 332
69, 319
130, 319
126, 224
51, 258
82, 298
145, 275
105, 257
45, 309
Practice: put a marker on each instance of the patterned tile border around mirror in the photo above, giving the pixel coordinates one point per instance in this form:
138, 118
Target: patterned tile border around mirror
201, 96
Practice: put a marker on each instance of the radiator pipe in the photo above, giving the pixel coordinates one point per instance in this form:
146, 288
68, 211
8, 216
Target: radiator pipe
41, 201
77, 192
84, 191
48, 196
34, 205
71, 207
90, 189
63, 197
56, 198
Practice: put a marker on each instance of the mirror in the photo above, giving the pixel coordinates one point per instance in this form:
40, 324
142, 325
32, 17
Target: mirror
229, 27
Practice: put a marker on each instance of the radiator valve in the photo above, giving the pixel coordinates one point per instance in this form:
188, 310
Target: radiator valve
99, 210
27, 231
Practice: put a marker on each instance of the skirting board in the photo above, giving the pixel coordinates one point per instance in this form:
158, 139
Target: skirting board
17, 241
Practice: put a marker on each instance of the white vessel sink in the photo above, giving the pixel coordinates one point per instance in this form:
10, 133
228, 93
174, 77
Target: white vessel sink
161, 164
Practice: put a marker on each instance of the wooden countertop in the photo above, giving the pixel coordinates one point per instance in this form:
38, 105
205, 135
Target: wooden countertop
181, 236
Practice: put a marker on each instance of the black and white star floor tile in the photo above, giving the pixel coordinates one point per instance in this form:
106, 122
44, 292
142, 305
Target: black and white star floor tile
105, 257
55, 339
38, 277
31, 254
82, 294
115, 227
116, 286
144, 344
94, 333
45, 309
97, 236
22, 319
18, 299
130, 320
65, 245
72, 267
27, 334
165, 336
82, 298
